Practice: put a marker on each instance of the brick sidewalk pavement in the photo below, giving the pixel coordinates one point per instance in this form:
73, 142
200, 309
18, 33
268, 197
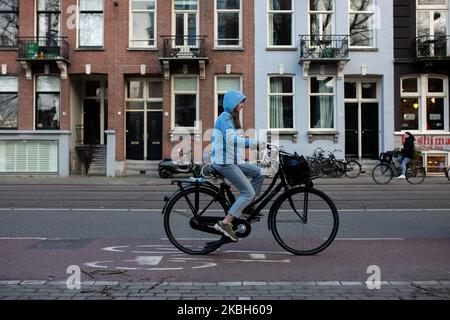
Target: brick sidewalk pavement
331, 290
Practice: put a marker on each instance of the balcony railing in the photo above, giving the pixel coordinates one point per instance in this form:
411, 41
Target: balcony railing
184, 47
326, 47
433, 46
43, 48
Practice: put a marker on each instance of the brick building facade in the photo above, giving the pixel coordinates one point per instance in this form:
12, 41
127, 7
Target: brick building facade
127, 77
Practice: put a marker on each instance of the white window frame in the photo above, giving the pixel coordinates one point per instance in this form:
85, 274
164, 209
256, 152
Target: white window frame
217, 92
311, 12
422, 95
269, 94
35, 105
431, 9
146, 100
374, 29
216, 26
78, 46
186, 22
131, 20
2, 91
319, 95
269, 22
172, 108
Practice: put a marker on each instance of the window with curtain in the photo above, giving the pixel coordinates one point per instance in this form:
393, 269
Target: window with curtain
185, 97
8, 102
321, 17
362, 23
48, 102
424, 103
91, 23
224, 84
143, 30
228, 22
322, 96
280, 22
281, 103
49, 20
9, 23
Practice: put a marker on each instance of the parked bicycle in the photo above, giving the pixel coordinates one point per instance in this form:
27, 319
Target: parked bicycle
331, 166
390, 167
302, 219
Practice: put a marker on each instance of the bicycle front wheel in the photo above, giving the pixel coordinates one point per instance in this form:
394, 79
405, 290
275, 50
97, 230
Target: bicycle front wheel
382, 173
186, 210
415, 174
352, 169
304, 221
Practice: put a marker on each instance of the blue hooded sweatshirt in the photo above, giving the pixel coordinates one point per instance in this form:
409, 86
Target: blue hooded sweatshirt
227, 142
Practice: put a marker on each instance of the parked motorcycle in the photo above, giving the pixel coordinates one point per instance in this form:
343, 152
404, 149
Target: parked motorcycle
167, 168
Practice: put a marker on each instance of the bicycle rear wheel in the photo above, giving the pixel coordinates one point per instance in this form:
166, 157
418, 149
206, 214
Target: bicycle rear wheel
181, 214
304, 221
415, 174
352, 169
382, 173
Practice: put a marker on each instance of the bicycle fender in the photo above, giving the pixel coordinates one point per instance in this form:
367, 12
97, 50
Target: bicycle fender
277, 201
168, 199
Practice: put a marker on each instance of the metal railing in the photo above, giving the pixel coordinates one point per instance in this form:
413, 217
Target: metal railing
43, 48
323, 47
433, 46
184, 47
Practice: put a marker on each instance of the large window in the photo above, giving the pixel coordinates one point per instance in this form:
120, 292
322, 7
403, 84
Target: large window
49, 18
186, 22
228, 17
9, 23
432, 21
320, 17
91, 25
224, 84
424, 103
8, 102
281, 102
185, 100
143, 27
362, 23
48, 102
280, 22
322, 99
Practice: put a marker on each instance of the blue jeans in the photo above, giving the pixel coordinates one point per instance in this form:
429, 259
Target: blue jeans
237, 175
404, 161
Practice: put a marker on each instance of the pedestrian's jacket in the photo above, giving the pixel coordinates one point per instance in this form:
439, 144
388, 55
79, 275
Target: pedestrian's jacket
408, 148
228, 143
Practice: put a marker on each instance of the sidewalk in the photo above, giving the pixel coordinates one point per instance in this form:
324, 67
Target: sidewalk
331, 290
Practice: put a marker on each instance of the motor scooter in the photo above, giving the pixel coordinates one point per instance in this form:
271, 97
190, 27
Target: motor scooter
167, 168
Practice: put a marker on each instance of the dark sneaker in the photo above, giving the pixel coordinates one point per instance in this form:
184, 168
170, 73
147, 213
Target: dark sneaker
226, 229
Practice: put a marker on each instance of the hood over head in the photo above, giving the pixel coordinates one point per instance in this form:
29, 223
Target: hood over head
231, 99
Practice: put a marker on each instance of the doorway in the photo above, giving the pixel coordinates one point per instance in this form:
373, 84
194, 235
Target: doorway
362, 119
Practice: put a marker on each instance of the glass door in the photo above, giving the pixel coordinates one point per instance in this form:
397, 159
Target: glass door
186, 24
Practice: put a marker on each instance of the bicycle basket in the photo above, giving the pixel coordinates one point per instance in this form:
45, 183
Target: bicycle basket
296, 169
386, 157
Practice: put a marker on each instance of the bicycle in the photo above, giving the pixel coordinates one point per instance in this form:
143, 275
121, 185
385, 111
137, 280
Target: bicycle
384, 172
302, 219
447, 173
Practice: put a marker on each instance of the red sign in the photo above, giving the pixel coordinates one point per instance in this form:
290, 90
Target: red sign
431, 142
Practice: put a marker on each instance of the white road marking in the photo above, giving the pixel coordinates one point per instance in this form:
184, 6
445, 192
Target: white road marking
130, 210
148, 260
257, 256
369, 239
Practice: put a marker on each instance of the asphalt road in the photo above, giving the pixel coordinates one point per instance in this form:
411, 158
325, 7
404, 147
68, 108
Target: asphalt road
115, 231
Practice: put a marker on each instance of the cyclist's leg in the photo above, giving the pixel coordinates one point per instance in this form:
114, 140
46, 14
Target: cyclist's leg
404, 163
254, 172
236, 177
